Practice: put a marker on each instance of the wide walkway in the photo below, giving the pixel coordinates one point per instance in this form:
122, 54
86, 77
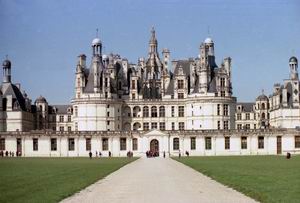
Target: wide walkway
157, 180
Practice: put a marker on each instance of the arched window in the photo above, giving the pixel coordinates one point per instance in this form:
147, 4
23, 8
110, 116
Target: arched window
127, 127
263, 116
145, 111
153, 111
161, 111
127, 111
176, 143
263, 106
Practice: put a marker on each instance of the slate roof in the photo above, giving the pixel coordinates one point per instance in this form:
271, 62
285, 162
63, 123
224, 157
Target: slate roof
247, 106
11, 89
60, 109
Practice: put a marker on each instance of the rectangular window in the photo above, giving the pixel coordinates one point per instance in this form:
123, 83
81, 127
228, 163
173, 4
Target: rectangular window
172, 111
193, 143
219, 125
222, 93
173, 126
218, 109
208, 143
107, 114
61, 119
180, 95
181, 111
122, 144
153, 125
175, 143
225, 125
225, 110
261, 142
239, 126
61, 128
71, 142
53, 144
254, 126
162, 126
227, 142
133, 95
76, 111
146, 126
69, 118
222, 82
69, 128
35, 144
238, 117
88, 145
247, 116
133, 84
297, 141
2, 144
104, 144
180, 84
181, 125
247, 126
244, 142
134, 144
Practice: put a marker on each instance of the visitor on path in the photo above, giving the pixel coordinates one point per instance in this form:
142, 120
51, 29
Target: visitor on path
90, 154
6, 153
164, 154
100, 154
187, 153
109, 154
179, 155
96, 154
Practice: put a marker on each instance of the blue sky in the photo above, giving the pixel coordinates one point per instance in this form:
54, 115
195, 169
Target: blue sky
43, 38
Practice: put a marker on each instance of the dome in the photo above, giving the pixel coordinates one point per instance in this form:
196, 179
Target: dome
96, 41
41, 99
208, 41
262, 97
293, 59
104, 57
6, 63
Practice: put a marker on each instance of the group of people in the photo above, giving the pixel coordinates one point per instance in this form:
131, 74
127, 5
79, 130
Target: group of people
152, 154
9, 153
129, 154
98, 154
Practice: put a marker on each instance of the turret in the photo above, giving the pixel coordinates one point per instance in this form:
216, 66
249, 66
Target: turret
293, 62
6, 71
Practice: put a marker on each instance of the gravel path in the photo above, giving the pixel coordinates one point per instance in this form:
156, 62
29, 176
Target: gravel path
156, 180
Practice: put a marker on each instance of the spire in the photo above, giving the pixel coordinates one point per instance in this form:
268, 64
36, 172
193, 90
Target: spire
153, 42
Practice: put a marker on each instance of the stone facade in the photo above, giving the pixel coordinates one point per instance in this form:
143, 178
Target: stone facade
114, 98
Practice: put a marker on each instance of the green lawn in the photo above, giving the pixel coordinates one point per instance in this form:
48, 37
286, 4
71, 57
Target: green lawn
51, 179
264, 178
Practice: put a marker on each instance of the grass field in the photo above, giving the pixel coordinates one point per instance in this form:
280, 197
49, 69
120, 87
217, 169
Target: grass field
51, 179
264, 178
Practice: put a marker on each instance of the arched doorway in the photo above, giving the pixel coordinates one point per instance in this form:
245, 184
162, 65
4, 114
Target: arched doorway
154, 147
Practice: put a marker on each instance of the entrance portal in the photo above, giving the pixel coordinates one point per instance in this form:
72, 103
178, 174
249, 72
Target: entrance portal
154, 147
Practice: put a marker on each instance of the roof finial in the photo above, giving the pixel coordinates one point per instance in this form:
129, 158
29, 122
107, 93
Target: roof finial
6, 56
97, 32
293, 52
263, 91
208, 33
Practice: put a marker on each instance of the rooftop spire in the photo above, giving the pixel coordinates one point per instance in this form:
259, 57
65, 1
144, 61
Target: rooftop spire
97, 33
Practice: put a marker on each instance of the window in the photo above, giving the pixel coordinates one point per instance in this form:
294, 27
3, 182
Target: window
244, 142
162, 111
260, 142
208, 143
173, 126
227, 142
162, 126
35, 144
239, 126
225, 110
71, 142
88, 146
247, 116
181, 125
69, 118
61, 128
146, 126
181, 111
134, 144
107, 114
133, 95
180, 84
263, 106
263, 116
175, 143
2, 144
107, 122
218, 109
180, 95
76, 126
75, 110
145, 111
219, 125
254, 126
225, 125
122, 144
153, 111
222, 93
53, 144
61, 119
172, 111
105, 82
133, 84
254, 116
297, 141
222, 82
69, 128
247, 126
104, 144
238, 117
153, 125
193, 143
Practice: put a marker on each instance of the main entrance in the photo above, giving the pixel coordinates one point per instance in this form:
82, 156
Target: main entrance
154, 147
